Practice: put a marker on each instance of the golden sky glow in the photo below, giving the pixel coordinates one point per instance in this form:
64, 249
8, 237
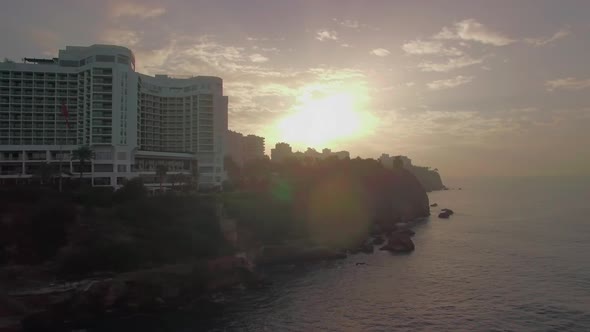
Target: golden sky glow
476, 89
324, 114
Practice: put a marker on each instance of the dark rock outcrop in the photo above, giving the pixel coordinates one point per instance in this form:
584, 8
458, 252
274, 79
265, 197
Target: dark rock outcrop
444, 215
378, 240
367, 247
405, 231
399, 242
434, 205
449, 211
64, 307
283, 254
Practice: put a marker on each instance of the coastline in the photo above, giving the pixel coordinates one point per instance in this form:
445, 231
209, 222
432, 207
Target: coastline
397, 203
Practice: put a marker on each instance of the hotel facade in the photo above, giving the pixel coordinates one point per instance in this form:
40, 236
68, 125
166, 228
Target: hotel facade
132, 122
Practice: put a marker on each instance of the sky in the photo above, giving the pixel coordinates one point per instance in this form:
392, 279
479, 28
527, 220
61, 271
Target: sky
468, 87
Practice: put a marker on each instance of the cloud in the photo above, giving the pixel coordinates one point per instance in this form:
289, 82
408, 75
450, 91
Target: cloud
353, 24
562, 33
451, 64
346, 45
322, 35
122, 37
420, 47
380, 52
472, 30
258, 58
185, 55
139, 10
48, 41
569, 83
450, 83
266, 49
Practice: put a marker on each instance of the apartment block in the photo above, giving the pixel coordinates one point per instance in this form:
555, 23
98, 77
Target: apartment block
243, 148
133, 122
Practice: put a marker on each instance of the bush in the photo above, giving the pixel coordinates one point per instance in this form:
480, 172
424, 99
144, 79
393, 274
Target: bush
95, 196
48, 228
133, 189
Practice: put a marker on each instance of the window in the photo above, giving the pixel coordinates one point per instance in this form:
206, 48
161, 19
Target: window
123, 59
103, 167
68, 63
105, 58
102, 181
121, 168
103, 155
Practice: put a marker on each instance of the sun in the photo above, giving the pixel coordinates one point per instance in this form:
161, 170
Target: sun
319, 120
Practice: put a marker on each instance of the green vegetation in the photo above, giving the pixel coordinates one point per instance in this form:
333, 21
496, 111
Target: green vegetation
84, 154
161, 171
96, 229
328, 202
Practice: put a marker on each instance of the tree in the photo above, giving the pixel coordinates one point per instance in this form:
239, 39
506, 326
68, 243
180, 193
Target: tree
161, 171
195, 173
45, 172
84, 154
132, 189
234, 171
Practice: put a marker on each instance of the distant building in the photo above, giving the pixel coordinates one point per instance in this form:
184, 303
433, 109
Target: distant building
234, 146
387, 161
326, 153
281, 152
244, 148
253, 147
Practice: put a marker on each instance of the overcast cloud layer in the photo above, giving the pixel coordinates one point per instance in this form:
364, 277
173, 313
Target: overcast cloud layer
469, 87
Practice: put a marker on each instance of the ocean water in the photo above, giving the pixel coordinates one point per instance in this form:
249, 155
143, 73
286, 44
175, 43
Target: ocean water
514, 257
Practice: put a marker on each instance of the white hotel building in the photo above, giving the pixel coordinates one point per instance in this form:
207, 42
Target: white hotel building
133, 122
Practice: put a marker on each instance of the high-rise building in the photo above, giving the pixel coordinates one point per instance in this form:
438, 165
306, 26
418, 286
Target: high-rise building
281, 152
244, 148
253, 147
132, 122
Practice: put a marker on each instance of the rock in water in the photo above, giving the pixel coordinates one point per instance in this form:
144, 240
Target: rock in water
378, 240
434, 205
367, 248
444, 215
399, 242
449, 211
407, 232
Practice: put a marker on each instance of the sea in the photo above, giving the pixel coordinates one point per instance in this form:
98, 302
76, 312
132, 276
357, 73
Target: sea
515, 256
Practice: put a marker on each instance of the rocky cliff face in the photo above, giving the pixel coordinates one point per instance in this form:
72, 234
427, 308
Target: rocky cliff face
341, 209
400, 197
428, 178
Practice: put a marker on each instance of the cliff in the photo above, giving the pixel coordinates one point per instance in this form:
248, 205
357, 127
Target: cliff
332, 203
429, 179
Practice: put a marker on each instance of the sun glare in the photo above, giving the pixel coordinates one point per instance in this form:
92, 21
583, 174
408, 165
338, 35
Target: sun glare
318, 121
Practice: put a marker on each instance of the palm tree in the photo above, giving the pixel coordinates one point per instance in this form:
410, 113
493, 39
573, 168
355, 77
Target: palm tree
161, 171
45, 172
84, 154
